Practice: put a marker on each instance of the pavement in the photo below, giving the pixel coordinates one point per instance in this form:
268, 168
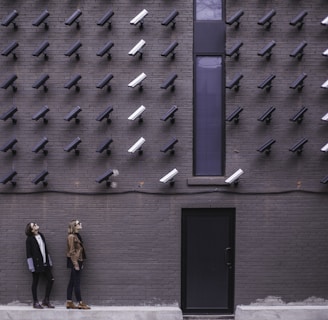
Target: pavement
283, 312
95, 313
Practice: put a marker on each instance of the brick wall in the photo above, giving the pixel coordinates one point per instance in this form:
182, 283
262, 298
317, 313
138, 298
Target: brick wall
132, 233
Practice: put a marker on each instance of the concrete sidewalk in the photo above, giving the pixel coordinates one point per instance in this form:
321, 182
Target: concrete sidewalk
282, 312
96, 313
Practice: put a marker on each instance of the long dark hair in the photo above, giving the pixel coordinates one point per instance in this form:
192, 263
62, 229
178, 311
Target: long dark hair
28, 229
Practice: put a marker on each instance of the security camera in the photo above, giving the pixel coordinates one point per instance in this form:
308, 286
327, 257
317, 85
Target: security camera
170, 50
105, 49
105, 176
73, 82
234, 83
137, 114
9, 177
41, 49
169, 82
298, 116
40, 19
73, 18
266, 50
137, 48
10, 49
298, 83
10, 82
298, 20
9, 145
267, 82
40, 146
324, 148
105, 82
105, 114
266, 19
73, 114
170, 19
325, 21
266, 146
298, 51
235, 18
169, 146
325, 85
137, 146
325, 117
235, 115
169, 177
298, 146
9, 114
266, 116
138, 81
41, 177
105, 146
234, 178
138, 19
170, 114
106, 18
324, 180
234, 50
41, 82
325, 53
73, 146
41, 114
73, 49
10, 19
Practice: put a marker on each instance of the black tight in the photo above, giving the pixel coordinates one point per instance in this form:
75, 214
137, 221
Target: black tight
74, 283
50, 280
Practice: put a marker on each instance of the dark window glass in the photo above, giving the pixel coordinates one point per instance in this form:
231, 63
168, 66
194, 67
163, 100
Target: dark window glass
208, 117
208, 9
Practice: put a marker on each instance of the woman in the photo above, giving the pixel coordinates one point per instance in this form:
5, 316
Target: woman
39, 262
75, 258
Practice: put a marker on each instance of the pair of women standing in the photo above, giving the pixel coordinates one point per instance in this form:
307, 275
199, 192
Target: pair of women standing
39, 263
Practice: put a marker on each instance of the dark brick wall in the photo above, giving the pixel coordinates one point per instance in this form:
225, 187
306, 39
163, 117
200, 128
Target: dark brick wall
132, 233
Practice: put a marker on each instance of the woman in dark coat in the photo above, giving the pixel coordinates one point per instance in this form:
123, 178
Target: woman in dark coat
39, 262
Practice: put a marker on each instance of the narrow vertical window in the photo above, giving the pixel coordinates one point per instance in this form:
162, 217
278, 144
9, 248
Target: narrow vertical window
208, 117
208, 9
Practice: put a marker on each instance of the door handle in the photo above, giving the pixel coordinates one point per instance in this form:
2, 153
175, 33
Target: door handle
228, 257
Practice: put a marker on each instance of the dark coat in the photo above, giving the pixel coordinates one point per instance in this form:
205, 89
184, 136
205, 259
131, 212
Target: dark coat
34, 255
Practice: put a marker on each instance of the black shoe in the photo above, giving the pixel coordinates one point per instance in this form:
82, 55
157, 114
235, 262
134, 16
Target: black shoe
37, 305
46, 303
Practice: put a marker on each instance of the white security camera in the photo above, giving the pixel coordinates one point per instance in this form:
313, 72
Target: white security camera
169, 177
325, 21
325, 117
234, 178
138, 80
137, 114
137, 48
139, 17
325, 85
137, 146
325, 148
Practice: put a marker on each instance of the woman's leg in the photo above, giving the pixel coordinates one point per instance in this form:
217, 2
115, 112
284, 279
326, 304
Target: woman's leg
35, 282
50, 281
70, 286
77, 287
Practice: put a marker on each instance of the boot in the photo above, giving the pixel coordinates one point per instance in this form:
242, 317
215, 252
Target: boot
46, 303
37, 305
70, 305
82, 305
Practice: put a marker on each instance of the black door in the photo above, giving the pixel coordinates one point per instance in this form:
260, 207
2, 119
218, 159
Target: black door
207, 261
